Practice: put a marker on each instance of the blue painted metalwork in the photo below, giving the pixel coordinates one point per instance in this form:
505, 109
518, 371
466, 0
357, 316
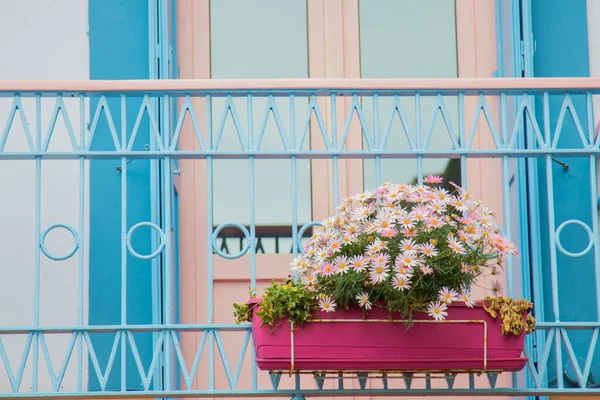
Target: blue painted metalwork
128, 352
121, 288
561, 49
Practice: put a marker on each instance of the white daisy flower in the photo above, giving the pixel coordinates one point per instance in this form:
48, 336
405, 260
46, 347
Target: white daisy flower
407, 221
378, 273
408, 259
341, 262
456, 246
322, 254
408, 245
366, 196
299, 264
308, 280
376, 246
428, 250
465, 297
359, 263
447, 295
437, 310
328, 222
404, 272
327, 304
400, 283
460, 205
363, 300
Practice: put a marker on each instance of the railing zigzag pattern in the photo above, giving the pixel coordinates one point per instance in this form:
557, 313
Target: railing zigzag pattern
517, 124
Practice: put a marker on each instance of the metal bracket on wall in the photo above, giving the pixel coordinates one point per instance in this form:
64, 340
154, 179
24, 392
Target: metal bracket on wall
146, 148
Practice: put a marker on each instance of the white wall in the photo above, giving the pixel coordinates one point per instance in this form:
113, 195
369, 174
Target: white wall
41, 39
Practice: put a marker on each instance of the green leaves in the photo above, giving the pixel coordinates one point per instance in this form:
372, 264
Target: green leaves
286, 300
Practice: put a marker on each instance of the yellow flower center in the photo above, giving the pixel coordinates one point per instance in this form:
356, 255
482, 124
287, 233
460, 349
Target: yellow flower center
384, 224
379, 270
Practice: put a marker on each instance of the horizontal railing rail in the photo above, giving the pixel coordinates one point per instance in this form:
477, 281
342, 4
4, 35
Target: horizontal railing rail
532, 130
305, 87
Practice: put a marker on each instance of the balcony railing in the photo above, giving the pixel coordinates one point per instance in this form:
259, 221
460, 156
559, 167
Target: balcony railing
515, 135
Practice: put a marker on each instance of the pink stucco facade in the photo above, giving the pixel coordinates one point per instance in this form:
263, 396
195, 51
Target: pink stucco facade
333, 52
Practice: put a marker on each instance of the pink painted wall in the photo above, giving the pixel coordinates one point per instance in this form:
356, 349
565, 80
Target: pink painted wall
333, 35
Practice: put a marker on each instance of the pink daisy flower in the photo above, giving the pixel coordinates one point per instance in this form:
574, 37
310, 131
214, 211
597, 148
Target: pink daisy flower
433, 179
496, 288
389, 232
426, 270
328, 269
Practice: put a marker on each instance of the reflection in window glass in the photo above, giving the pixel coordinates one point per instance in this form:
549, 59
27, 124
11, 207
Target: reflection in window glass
259, 39
409, 39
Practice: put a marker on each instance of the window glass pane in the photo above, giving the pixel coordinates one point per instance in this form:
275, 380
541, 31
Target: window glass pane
409, 39
259, 39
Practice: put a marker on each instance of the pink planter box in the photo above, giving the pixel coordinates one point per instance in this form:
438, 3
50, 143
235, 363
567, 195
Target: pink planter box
343, 342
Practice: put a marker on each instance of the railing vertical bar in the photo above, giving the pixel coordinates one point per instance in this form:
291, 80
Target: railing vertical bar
294, 177
123, 242
209, 227
594, 202
156, 202
37, 260
506, 209
168, 273
552, 236
531, 206
81, 259
376, 138
418, 137
252, 195
335, 159
167, 205
461, 139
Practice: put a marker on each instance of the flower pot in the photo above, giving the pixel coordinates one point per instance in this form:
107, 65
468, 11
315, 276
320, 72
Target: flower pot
346, 341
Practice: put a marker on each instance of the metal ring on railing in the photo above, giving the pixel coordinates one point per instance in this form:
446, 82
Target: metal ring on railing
584, 226
226, 225
68, 255
151, 255
301, 233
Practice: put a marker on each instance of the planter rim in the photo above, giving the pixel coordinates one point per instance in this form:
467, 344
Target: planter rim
478, 304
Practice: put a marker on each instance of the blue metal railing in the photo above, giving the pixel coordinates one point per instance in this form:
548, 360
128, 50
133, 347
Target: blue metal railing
516, 114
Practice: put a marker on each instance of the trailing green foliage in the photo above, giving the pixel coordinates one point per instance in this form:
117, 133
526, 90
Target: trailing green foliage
281, 300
